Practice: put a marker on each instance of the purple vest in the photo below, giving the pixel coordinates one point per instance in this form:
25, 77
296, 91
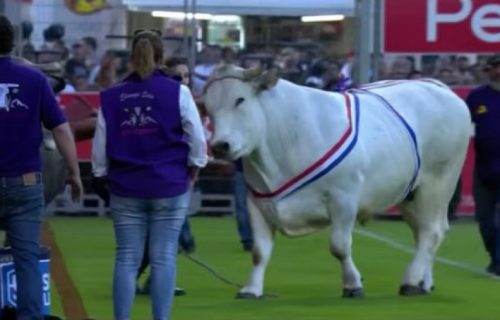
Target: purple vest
145, 142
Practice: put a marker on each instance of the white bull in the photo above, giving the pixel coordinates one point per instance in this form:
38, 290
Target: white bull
314, 159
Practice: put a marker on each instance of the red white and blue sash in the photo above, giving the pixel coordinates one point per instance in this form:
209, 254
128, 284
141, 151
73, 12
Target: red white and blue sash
344, 146
327, 162
390, 83
412, 137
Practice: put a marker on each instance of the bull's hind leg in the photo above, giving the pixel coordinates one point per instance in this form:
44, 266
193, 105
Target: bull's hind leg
427, 217
263, 240
343, 219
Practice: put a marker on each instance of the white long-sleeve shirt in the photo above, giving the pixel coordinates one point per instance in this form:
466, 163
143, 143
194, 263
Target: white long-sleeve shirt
191, 124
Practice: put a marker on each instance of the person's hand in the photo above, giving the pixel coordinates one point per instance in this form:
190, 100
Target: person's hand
76, 187
100, 187
193, 176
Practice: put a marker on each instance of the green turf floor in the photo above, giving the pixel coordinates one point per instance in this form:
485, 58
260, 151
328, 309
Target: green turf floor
302, 273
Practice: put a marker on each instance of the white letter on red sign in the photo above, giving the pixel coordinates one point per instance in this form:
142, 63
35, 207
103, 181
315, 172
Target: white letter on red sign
434, 18
480, 21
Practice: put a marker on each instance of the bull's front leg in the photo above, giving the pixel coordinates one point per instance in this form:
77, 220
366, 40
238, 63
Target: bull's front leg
343, 217
263, 241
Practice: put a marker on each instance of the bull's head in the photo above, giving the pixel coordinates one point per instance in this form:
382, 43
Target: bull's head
233, 100
53, 71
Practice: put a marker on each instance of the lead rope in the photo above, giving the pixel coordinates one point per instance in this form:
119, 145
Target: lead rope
221, 277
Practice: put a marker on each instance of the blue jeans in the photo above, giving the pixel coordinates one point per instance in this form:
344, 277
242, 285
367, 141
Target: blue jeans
242, 218
21, 209
133, 219
186, 242
486, 198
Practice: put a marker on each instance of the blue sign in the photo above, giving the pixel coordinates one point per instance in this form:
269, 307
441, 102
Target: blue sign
8, 287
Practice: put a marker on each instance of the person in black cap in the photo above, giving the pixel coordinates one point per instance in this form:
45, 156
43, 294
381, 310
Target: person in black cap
53, 49
484, 105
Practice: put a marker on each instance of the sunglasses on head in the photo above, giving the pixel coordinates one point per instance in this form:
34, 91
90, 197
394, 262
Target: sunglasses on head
155, 31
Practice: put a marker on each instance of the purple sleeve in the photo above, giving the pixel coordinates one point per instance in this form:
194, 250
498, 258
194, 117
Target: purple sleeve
50, 112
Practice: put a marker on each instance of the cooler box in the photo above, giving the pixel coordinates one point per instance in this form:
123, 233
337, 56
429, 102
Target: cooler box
8, 278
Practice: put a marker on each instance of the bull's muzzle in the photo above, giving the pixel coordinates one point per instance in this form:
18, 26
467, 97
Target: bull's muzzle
221, 149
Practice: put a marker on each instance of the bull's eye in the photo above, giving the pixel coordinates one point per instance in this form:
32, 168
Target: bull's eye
239, 101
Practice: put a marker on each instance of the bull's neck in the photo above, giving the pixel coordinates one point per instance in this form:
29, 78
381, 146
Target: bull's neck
297, 135
262, 169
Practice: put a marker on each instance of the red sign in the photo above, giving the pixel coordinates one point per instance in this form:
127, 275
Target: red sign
78, 106
434, 26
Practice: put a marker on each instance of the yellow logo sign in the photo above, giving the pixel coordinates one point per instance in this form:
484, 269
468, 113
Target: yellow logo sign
86, 6
481, 109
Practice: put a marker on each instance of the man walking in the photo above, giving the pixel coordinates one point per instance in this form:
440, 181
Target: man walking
26, 102
484, 105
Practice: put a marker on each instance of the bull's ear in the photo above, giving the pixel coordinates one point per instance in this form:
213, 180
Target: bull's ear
58, 84
267, 80
201, 107
54, 72
201, 99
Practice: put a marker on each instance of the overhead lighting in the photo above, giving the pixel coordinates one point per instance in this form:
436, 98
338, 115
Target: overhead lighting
181, 15
333, 17
226, 18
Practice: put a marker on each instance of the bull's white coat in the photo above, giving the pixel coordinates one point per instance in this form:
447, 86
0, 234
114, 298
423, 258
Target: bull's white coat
282, 130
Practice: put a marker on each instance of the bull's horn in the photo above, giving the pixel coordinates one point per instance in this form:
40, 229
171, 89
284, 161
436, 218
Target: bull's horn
251, 74
50, 68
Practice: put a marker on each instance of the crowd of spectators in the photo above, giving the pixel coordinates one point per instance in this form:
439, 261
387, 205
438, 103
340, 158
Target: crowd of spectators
82, 66
453, 70
87, 67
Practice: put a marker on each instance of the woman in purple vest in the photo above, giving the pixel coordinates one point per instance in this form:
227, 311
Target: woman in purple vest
150, 144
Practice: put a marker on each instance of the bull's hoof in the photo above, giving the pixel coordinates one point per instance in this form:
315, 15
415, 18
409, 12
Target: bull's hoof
411, 290
247, 296
353, 293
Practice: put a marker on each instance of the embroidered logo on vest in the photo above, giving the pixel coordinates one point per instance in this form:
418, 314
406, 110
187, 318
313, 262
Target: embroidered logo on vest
138, 117
7, 90
481, 109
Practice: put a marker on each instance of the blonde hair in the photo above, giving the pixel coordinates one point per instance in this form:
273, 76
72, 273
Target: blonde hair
147, 53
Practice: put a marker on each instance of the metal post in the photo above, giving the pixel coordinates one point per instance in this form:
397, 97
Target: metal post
14, 12
19, 31
377, 39
192, 53
364, 39
185, 42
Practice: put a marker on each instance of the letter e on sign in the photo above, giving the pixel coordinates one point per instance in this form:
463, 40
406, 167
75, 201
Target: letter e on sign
484, 18
433, 26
